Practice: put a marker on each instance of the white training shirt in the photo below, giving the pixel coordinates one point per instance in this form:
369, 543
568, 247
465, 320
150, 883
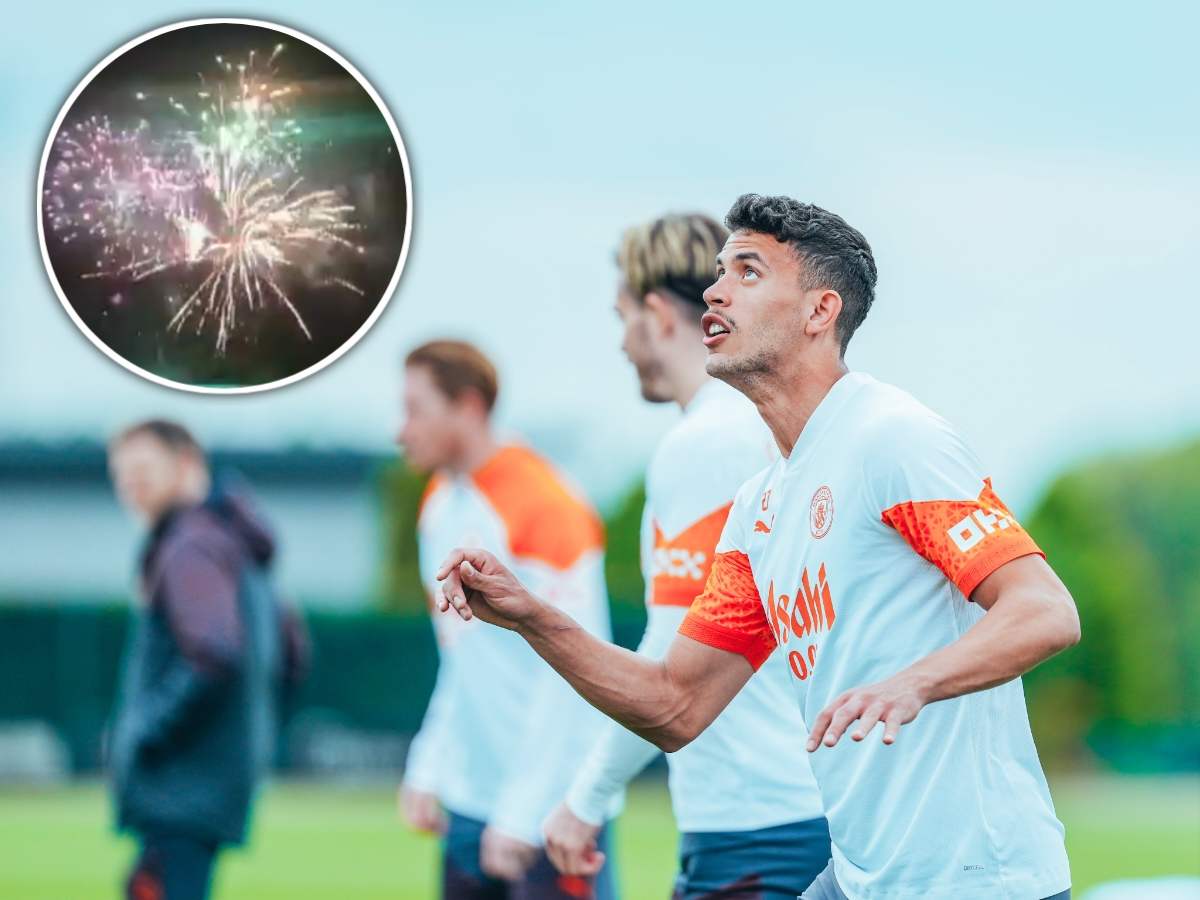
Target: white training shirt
503, 734
856, 555
732, 777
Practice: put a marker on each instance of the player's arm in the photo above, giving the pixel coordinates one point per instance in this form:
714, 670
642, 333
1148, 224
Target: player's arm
418, 794
198, 595
557, 730
571, 831
667, 702
619, 755
1030, 617
932, 493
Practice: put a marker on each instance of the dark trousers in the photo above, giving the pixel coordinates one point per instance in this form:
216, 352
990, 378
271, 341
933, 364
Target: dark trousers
463, 877
775, 863
172, 867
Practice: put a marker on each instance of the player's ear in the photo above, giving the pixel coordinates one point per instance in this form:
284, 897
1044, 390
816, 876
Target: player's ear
662, 313
470, 400
827, 306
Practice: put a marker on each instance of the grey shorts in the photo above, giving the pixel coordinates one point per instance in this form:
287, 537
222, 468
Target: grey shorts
826, 888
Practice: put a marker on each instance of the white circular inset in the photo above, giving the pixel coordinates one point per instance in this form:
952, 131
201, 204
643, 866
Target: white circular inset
224, 205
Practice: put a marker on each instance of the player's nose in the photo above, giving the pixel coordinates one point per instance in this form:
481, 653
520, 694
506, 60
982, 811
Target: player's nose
714, 294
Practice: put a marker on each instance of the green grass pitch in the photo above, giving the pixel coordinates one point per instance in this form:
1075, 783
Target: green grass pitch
327, 841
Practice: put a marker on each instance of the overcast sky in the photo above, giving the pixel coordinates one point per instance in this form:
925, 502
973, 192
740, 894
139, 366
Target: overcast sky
1028, 180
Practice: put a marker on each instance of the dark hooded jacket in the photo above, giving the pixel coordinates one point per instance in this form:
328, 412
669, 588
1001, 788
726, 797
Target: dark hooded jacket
209, 655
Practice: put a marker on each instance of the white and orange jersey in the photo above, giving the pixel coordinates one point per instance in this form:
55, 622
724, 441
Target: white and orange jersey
503, 734
734, 776
857, 556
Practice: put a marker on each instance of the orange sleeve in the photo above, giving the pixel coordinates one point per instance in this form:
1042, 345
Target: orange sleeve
967, 539
729, 615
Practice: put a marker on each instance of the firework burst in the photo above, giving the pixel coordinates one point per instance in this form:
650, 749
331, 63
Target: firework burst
211, 189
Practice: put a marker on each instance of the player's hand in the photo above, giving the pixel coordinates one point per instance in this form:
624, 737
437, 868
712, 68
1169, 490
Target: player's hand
421, 810
505, 857
474, 583
571, 843
893, 702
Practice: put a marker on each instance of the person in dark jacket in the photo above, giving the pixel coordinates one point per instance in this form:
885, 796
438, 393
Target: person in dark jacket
210, 653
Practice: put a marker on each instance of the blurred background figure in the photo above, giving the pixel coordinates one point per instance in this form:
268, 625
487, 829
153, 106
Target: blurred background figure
503, 735
210, 652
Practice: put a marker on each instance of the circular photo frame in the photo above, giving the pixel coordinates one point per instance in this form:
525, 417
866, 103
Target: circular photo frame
224, 206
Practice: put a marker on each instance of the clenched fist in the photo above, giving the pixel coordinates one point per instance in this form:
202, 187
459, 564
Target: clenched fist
505, 857
422, 810
571, 843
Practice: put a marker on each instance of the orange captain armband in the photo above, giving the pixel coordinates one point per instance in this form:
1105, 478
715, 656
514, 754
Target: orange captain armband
729, 615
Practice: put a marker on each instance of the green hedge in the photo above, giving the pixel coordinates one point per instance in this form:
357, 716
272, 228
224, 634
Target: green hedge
371, 671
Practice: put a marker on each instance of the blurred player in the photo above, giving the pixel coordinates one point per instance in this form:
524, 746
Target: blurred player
876, 555
209, 652
738, 838
503, 735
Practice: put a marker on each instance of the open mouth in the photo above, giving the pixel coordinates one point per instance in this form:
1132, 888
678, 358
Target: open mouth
715, 328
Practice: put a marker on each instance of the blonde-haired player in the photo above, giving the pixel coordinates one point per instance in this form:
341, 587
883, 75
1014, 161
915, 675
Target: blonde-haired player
751, 827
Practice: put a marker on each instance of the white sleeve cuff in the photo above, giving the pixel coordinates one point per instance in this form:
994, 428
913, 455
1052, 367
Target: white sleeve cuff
594, 803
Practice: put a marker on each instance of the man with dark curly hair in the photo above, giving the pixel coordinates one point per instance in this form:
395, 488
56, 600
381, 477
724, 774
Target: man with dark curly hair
876, 555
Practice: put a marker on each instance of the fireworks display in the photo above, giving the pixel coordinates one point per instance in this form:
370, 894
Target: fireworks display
206, 185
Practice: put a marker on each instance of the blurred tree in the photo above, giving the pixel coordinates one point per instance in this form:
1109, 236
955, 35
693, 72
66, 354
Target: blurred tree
1124, 535
400, 490
622, 560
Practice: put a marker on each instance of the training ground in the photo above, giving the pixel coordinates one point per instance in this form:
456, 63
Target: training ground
329, 841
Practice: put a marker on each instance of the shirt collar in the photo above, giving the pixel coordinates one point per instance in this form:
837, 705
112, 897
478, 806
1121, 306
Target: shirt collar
827, 411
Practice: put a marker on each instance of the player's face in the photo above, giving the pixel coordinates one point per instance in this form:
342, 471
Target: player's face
754, 307
147, 476
429, 435
638, 343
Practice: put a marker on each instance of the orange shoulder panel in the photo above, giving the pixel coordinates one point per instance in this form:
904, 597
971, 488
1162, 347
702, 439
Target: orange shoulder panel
544, 519
967, 539
681, 564
431, 487
729, 614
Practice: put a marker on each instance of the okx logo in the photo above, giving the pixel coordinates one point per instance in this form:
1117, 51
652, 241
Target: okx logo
977, 525
679, 562
804, 616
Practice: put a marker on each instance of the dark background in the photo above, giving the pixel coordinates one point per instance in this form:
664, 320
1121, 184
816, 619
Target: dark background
346, 145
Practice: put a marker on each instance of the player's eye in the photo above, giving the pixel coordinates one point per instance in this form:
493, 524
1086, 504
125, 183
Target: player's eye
720, 272
750, 274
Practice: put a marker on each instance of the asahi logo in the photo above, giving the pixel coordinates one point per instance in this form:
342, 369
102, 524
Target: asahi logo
820, 512
802, 618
